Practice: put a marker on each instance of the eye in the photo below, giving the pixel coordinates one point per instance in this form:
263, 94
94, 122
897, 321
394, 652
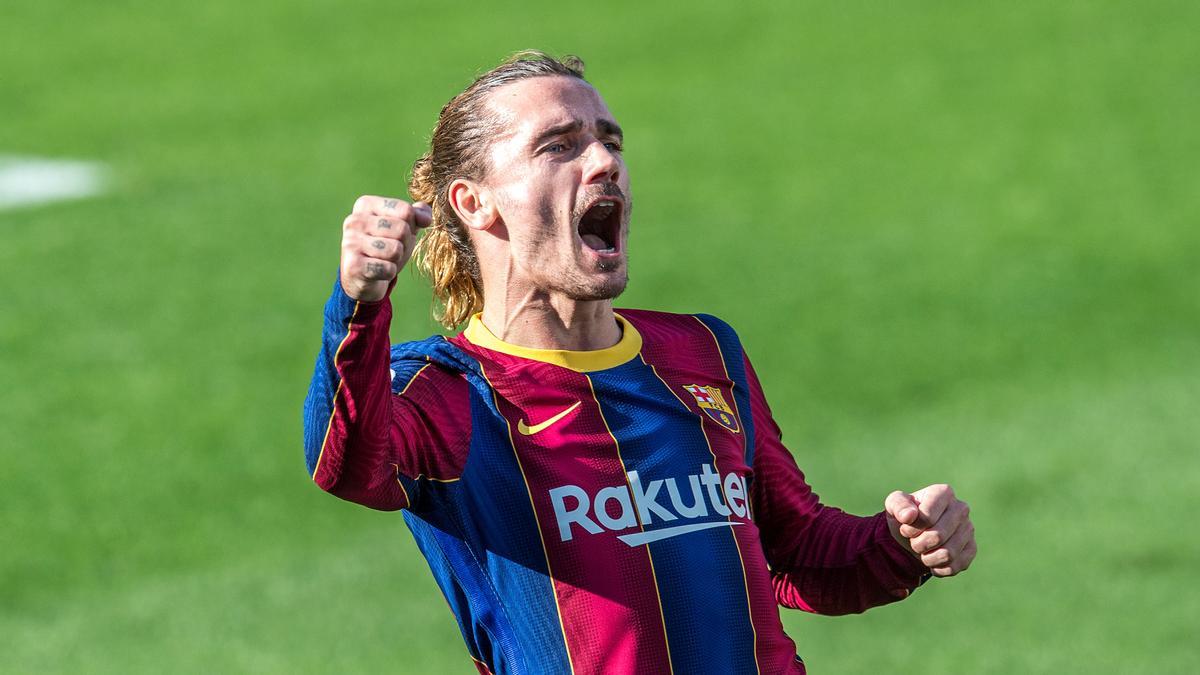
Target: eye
613, 146
556, 147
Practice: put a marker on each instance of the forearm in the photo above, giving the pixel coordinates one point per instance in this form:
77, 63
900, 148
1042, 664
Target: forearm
347, 414
844, 564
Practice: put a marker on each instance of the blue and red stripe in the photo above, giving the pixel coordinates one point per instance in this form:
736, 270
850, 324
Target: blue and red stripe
707, 619
608, 620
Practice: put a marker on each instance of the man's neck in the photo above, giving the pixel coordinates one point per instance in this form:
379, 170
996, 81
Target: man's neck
553, 323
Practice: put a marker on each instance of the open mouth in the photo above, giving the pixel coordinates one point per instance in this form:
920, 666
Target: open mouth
600, 226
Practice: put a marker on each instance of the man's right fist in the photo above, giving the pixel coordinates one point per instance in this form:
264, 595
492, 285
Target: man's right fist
377, 239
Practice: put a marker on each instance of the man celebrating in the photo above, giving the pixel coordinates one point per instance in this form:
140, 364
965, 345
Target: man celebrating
594, 490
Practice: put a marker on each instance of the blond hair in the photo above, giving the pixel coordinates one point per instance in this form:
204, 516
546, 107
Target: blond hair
456, 150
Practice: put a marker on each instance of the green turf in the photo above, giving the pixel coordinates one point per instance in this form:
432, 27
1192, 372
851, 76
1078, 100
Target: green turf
959, 242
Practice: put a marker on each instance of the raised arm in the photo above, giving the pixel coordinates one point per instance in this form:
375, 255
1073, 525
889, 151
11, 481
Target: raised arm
364, 442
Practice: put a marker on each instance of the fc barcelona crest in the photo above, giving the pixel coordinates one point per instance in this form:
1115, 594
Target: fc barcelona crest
712, 402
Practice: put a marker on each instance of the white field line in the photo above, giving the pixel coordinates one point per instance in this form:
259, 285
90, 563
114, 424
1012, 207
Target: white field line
26, 181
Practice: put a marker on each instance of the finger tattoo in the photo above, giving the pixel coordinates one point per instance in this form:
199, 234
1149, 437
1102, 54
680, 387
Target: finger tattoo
390, 203
384, 224
375, 268
378, 243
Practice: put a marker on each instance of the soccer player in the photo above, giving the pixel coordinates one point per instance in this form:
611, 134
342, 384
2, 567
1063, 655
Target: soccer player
595, 490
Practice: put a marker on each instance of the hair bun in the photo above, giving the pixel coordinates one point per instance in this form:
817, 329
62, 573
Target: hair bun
421, 187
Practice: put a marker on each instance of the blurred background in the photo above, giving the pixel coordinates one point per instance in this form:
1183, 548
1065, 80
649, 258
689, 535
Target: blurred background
959, 241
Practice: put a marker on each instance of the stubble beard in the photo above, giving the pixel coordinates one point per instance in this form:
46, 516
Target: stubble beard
568, 276
611, 286
606, 280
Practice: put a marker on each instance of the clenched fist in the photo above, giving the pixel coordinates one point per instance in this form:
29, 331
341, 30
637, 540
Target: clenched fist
934, 525
377, 239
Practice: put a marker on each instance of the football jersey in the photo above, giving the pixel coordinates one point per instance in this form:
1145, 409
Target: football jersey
624, 510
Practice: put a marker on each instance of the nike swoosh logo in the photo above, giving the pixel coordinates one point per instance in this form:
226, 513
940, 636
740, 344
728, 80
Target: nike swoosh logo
531, 430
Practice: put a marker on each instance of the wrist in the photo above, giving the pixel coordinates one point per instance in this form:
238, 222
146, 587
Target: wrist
344, 308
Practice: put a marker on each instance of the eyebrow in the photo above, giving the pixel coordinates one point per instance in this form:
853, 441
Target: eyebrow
611, 128
605, 126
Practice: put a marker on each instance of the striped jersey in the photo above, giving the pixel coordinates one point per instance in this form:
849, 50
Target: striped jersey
626, 510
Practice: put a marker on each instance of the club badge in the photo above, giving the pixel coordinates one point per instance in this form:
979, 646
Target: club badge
712, 402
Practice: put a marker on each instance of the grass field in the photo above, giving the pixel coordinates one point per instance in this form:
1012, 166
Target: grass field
960, 243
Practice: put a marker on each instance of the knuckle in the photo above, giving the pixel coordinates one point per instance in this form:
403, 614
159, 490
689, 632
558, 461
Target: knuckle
928, 541
938, 558
403, 210
895, 502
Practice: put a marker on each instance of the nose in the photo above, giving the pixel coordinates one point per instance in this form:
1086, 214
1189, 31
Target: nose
603, 165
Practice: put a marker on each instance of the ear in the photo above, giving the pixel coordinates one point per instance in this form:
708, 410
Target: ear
473, 204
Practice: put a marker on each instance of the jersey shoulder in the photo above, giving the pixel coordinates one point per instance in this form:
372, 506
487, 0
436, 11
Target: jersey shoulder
429, 360
680, 328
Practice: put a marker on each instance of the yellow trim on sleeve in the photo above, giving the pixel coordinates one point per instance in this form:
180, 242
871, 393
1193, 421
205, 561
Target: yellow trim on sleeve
579, 361
336, 392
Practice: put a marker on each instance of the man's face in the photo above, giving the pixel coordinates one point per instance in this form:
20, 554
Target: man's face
561, 188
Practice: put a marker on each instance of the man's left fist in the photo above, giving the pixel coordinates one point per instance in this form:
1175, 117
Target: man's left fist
935, 526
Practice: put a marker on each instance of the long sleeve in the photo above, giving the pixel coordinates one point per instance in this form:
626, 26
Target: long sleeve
822, 559
373, 431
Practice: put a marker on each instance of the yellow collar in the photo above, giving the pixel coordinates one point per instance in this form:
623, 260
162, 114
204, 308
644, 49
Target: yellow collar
599, 359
